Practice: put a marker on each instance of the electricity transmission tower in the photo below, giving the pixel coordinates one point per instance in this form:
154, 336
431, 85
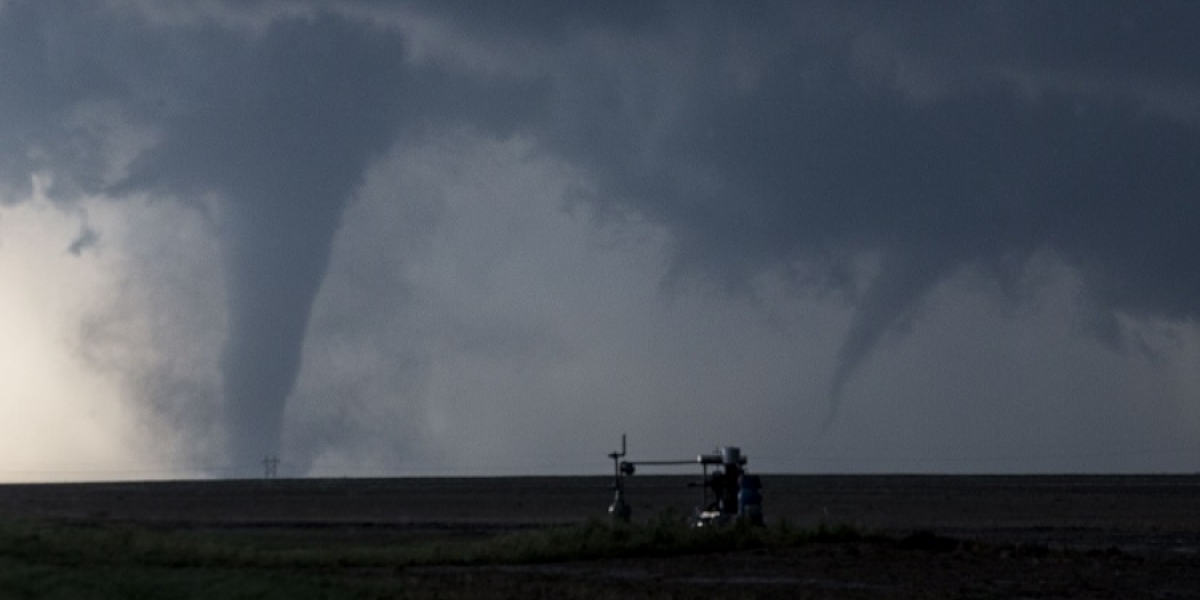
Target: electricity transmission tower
270, 466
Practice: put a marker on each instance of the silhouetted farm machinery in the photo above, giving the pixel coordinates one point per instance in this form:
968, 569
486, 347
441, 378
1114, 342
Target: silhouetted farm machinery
727, 494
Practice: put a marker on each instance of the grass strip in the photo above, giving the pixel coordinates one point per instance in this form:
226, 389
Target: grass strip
67, 546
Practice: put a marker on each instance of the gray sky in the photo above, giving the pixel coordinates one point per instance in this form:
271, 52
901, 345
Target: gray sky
449, 238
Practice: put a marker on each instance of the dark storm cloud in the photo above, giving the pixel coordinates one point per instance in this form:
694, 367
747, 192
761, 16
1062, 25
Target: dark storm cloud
41, 88
931, 142
875, 149
279, 125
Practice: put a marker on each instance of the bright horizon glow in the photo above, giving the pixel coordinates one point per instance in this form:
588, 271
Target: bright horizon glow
60, 418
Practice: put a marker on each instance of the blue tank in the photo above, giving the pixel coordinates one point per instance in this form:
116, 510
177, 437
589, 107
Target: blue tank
750, 499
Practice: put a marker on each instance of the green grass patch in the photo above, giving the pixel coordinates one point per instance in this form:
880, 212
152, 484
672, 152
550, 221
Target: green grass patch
666, 535
49, 560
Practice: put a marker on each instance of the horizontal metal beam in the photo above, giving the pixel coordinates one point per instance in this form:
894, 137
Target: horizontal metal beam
662, 462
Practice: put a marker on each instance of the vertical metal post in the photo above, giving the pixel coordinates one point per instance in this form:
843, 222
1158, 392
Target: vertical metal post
619, 510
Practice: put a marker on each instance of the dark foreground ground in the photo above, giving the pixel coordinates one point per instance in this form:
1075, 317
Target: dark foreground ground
938, 537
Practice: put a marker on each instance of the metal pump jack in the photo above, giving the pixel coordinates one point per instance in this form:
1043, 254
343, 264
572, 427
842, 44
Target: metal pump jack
729, 494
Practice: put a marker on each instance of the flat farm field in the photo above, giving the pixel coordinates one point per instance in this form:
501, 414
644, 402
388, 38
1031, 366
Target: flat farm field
531, 537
